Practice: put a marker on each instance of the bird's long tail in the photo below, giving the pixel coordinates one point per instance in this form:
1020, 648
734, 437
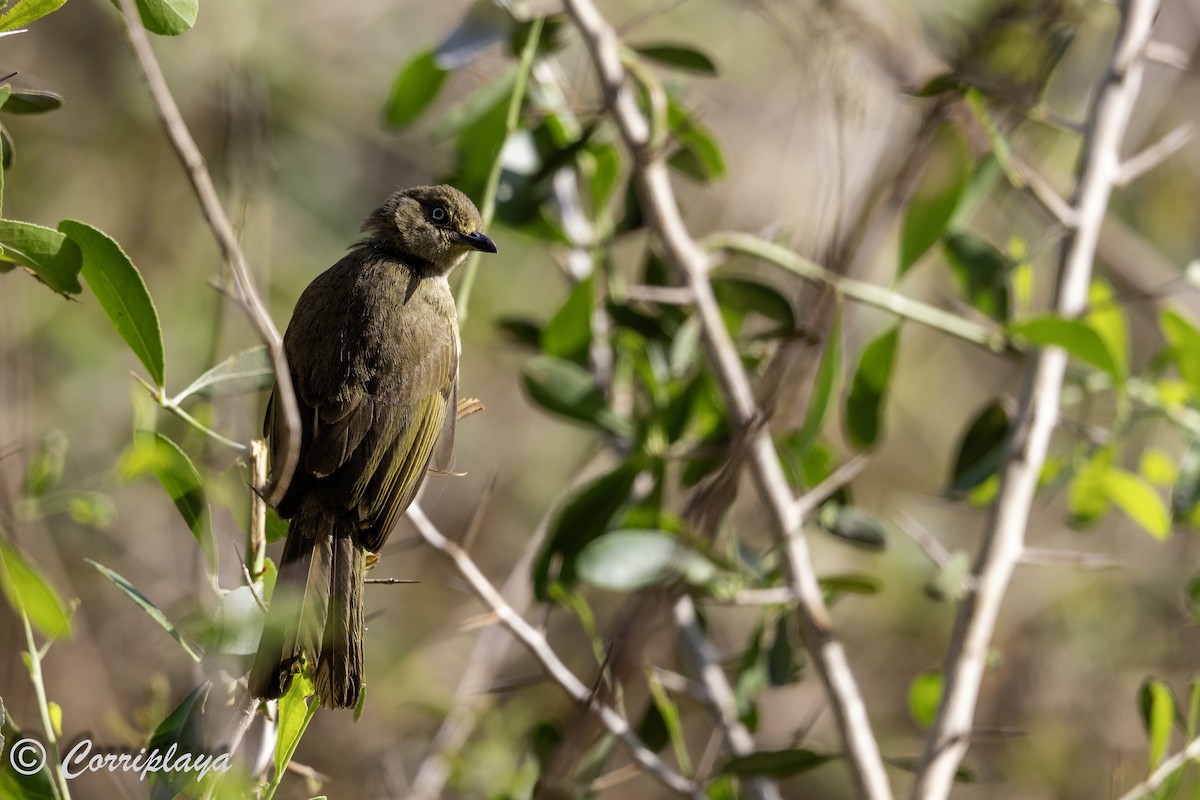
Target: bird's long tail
316, 610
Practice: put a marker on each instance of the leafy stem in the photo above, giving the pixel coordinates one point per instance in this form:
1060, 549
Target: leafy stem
34, 664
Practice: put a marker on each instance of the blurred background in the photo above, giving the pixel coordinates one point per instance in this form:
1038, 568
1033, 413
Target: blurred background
815, 111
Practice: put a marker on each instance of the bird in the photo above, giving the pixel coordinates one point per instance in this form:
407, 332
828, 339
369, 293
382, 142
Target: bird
373, 350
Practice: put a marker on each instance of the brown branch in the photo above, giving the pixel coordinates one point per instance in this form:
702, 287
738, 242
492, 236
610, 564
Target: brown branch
692, 263
247, 297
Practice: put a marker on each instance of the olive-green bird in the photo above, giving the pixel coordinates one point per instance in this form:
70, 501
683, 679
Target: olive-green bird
373, 350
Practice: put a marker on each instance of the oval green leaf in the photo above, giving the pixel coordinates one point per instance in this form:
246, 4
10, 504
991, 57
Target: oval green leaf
1075, 336
182, 729
1138, 499
245, 372
168, 17
869, 388
155, 453
568, 389
699, 156
568, 334
924, 694
629, 560
980, 449
32, 101
122, 294
23, 12
679, 56
47, 253
415, 87
982, 272
852, 525
1157, 707
775, 763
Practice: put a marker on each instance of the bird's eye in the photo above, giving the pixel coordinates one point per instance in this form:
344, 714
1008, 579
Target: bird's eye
439, 214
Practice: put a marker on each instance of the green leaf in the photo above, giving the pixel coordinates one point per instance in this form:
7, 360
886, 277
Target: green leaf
521, 330
32, 101
155, 453
869, 388
47, 253
746, 295
13, 784
783, 668
568, 334
1157, 467
1140, 502
924, 694
671, 721
629, 560
485, 24
581, 519
295, 712
244, 372
1192, 601
46, 464
146, 605
952, 578
1157, 708
1075, 336
936, 197
8, 152
122, 294
981, 271
415, 87
23, 12
1107, 318
30, 591
850, 583
699, 156
1088, 500
852, 525
569, 390
775, 763
168, 17
601, 163
93, 509
1185, 495
1183, 341
183, 729
981, 447
824, 388
680, 56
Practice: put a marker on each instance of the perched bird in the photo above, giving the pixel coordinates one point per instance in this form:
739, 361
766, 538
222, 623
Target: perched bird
373, 351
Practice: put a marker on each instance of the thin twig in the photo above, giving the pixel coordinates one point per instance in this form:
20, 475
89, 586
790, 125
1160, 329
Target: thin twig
704, 658
1138, 165
1044, 193
691, 262
536, 643
933, 548
1165, 770
288, 446
1003, 540
841, 476
1039, 557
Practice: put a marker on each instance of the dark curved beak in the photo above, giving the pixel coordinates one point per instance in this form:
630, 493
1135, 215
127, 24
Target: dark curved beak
478, 241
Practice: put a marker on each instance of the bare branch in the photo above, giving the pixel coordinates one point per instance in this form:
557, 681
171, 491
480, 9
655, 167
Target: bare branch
1168, 55
720, 694
1037, 415
691, 262
933, 548
536, 643
1138, 165
1044, 193
1164, 771
1039, 557
193, 162
841, 476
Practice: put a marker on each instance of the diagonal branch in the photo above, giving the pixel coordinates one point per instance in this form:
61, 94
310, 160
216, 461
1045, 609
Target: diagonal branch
246, 295
691, 262
544, 653
1003, 542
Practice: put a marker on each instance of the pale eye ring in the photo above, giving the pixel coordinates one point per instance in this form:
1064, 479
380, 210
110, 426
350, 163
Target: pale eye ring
438, 214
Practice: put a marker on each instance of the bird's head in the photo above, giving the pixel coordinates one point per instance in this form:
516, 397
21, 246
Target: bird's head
434, 226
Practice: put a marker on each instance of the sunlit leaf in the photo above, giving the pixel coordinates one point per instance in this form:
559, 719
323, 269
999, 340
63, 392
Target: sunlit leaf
46, 464
146, 605
869, 388
629, 560
1157, 707
23, 12
168, 17
122, 294
1184, 346
244, 372
1075, 336
415, 87
1107, 317
1185, 495
27, 588
936, 197
1140, 502
924, 694
32, 101
1157, 467
679, 56
47, 253
295, 712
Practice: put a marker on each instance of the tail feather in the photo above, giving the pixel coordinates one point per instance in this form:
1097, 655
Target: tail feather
299, 607
340, 665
